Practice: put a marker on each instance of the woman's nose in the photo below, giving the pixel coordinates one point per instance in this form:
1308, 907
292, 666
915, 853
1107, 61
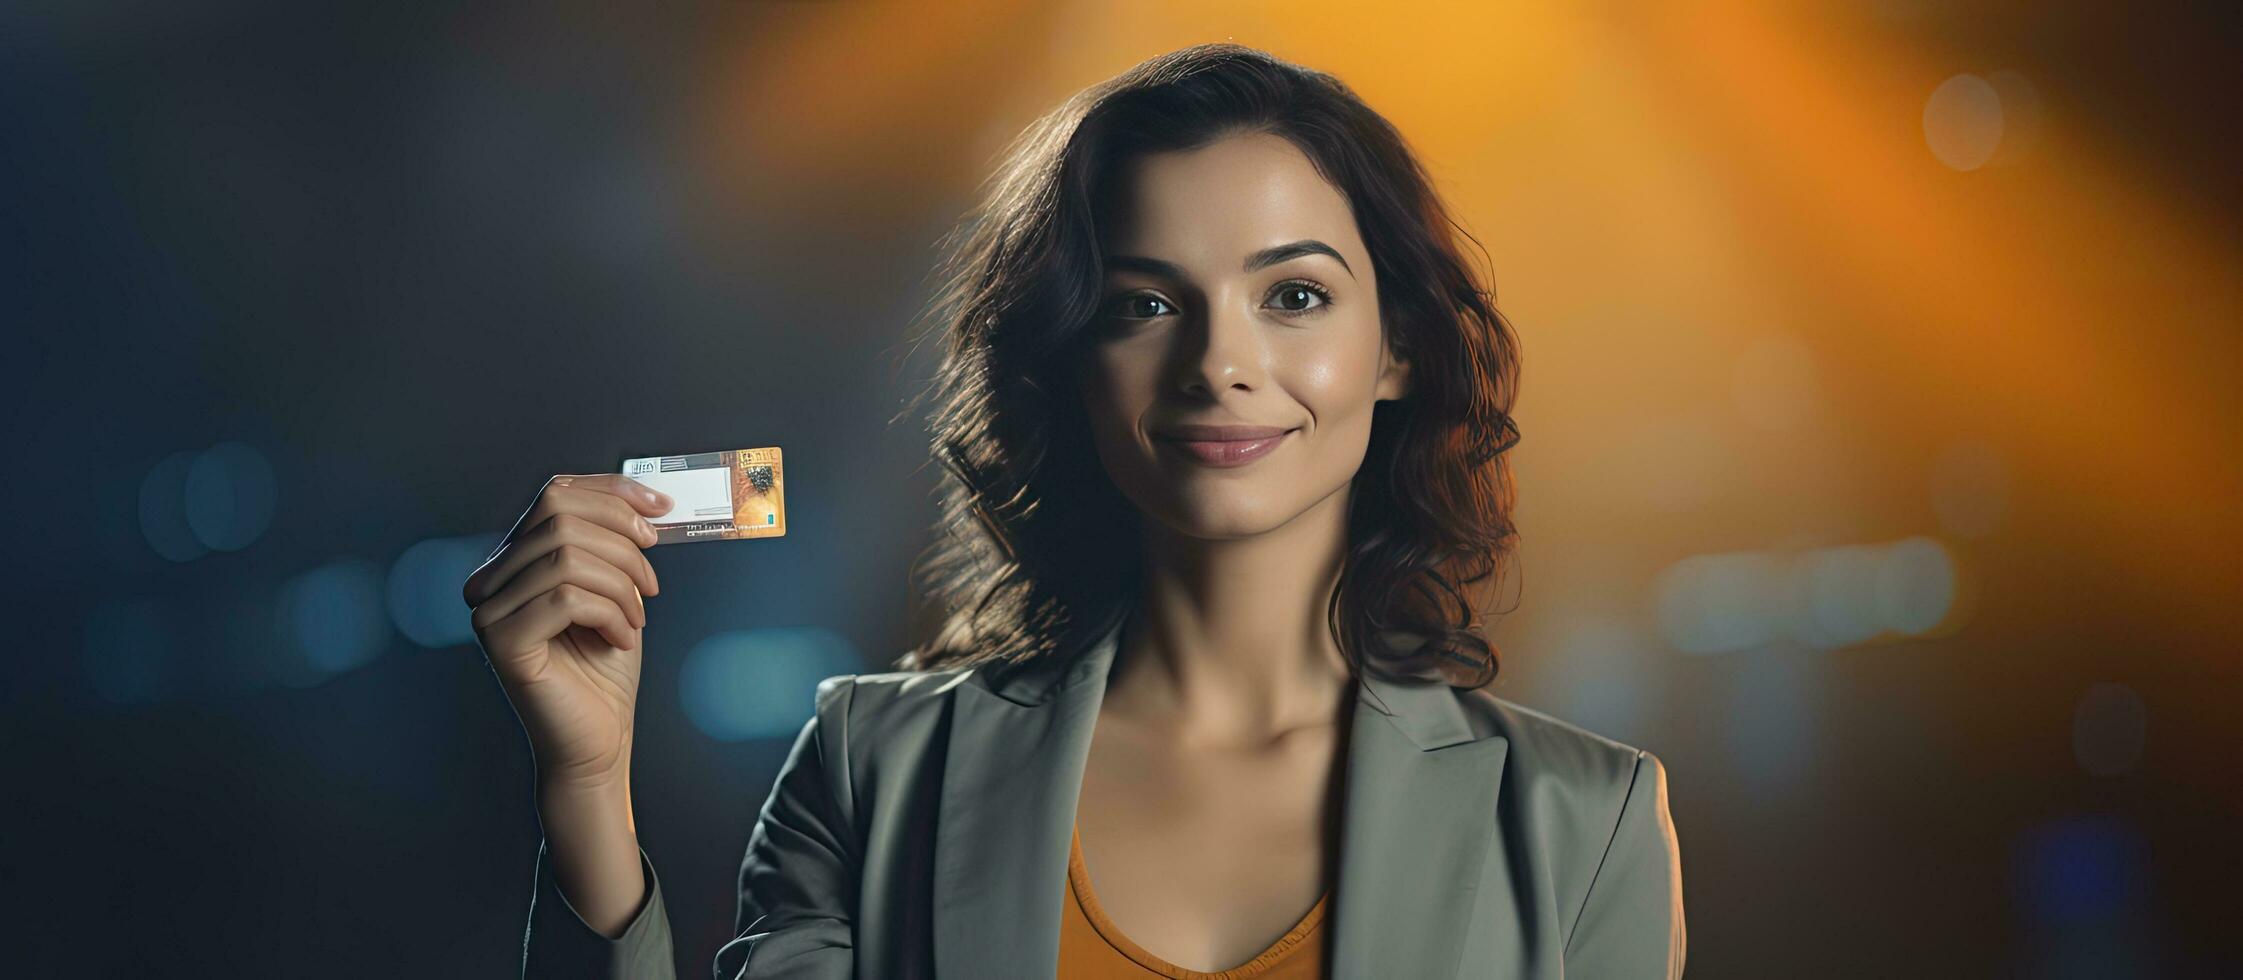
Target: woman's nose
1229, 351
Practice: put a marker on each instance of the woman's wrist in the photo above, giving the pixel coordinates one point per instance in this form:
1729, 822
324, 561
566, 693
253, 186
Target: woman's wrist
610, 777
591, 842
612, 788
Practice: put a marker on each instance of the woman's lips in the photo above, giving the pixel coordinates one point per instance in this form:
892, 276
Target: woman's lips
1245, 445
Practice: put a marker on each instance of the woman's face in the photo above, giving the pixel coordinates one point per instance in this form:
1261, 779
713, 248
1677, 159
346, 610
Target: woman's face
1223, 307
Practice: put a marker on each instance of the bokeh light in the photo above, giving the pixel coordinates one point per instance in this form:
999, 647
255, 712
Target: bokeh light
163, 509
2081, 881
229, 496
128, 652
1841, 595
1822, 598
331, 616
424, 588
1963, 122
760, 683
2110, 726
1915, 585
2078, 869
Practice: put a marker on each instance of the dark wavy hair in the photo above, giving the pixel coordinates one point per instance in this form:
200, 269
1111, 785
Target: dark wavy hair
1037, 549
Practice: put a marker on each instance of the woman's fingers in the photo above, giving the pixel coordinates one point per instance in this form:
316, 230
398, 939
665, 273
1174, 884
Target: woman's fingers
545, 616
640, 497
591, 498
565, 564
555, 531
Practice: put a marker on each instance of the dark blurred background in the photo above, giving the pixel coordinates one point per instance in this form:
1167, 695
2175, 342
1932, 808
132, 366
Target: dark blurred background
1880, 465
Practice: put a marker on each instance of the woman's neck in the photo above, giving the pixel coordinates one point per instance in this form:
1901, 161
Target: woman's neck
1229, 642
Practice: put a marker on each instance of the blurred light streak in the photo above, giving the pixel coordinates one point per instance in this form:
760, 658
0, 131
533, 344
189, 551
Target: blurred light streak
1915, 585
759, 683
1840, 592
1821, 598
1720, 603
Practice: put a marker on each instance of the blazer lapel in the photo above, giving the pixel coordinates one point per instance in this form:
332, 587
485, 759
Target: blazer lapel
1419, 811
1012, 774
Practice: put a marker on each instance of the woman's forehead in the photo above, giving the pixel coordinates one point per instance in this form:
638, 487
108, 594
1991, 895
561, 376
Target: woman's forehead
1208, 208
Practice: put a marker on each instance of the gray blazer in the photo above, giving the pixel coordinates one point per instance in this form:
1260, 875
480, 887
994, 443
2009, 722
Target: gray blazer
920, 828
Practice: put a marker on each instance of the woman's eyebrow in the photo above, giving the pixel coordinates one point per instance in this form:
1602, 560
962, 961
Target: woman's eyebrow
1259, 260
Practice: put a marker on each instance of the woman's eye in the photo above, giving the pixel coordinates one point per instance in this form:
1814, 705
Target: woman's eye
1292, 299
1133, 307
1309, 297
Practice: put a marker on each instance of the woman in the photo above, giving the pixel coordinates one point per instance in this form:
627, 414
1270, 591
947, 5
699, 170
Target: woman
1223, 413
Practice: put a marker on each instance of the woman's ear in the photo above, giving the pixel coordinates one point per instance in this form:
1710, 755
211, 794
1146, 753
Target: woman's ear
1394, 375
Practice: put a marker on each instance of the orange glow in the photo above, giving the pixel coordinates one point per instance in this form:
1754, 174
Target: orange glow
1662, 191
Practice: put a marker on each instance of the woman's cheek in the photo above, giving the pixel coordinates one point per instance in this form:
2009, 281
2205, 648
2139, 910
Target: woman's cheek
1320, 386
1321, 376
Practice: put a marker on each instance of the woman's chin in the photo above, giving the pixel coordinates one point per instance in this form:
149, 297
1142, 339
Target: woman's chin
1226, 521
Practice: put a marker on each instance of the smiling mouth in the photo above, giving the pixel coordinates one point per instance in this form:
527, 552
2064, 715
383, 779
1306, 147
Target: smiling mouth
1247, 444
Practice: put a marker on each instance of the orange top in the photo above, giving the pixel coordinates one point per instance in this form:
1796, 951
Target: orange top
1091, 947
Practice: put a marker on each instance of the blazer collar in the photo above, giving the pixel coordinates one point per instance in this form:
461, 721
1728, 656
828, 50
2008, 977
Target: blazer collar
1418, 814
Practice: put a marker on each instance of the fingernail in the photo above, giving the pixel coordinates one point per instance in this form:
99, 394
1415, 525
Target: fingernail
646, 529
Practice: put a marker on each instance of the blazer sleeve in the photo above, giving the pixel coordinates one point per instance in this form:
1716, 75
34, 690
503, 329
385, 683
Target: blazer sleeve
560, 944
798, 880
1630, 925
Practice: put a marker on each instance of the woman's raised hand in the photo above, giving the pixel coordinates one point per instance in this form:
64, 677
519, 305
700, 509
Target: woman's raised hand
559, 612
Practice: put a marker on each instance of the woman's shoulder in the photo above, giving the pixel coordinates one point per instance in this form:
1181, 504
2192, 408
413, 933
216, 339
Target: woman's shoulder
873, 691
865, 704
1552, 754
